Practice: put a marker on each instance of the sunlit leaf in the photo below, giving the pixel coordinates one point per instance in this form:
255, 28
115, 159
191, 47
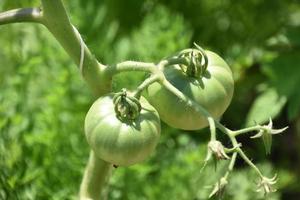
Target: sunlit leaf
266, 105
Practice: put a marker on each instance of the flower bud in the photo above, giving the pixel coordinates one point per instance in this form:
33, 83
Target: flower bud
266, 132
266, 184
219, 187
217, 150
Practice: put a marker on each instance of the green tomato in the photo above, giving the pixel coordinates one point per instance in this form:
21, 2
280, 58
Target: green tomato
213, 90
117, 142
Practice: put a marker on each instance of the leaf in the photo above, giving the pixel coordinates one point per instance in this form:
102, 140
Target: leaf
283, 73
268, 104
294, 106
267, 140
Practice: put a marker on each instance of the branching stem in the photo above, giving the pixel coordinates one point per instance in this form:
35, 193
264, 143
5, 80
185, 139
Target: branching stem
95, 178
231, 164
229, 133
132, 66
246, 130
150, 80
249, 162
244, 156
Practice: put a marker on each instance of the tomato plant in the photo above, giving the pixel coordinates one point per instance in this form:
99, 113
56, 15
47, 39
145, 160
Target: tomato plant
190, 90
122, 141
213, 90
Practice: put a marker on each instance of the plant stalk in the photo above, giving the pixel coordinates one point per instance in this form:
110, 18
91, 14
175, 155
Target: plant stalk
57, 21
246, 130
21, 15
94, 179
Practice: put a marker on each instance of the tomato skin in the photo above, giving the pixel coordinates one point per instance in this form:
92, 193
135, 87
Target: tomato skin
117, 142
213, 91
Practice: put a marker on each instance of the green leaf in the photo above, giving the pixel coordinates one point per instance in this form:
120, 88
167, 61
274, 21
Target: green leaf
268, 104
283, 74
267, 140
294, 106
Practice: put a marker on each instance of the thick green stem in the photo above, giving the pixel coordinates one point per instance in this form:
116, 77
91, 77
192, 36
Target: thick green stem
94, 179
57, 21
53, 15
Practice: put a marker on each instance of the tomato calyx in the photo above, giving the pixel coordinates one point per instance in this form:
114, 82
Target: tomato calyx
127, 108
196, 62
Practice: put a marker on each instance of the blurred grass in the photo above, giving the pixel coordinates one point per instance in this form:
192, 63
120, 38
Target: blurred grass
43, 100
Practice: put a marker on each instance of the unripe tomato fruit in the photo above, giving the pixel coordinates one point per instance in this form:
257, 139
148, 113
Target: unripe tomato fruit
213, 91
118, 142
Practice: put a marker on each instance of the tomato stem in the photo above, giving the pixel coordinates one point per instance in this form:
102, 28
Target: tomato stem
95, 178
231, 165
194, 104
132, 66
56, 19
229, 133
243, 155
212, 127
150, 80
21, 15
173, 61
246, 130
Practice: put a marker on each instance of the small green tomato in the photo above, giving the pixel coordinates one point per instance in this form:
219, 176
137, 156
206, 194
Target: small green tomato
210, 85
121, 132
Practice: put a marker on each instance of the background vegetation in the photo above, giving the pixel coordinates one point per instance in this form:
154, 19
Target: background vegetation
43, 99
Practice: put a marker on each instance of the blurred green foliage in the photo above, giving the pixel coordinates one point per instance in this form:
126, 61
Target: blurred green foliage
43, 99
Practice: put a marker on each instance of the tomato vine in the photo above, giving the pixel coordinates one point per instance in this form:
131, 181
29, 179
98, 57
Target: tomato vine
189, 90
